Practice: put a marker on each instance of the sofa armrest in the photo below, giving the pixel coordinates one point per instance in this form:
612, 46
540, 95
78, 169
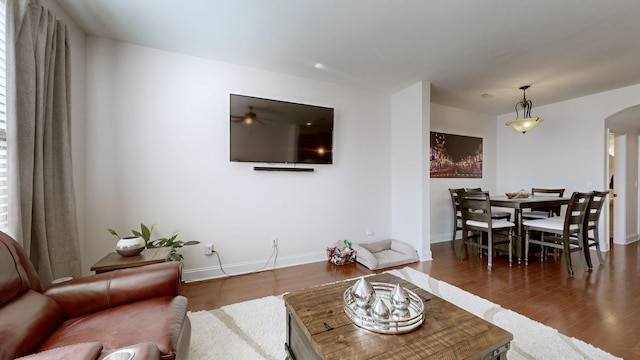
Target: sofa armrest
89, 294
93, 350
81, 351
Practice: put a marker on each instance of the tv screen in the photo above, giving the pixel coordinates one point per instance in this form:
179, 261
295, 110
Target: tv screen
272, 131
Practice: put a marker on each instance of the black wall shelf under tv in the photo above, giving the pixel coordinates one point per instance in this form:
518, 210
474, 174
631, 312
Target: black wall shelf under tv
271, 168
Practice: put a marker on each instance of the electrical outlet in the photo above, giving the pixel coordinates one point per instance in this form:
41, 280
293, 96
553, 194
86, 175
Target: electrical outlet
274, 242
208, 248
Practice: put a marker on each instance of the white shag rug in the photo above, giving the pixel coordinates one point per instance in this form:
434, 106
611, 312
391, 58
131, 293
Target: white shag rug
255, 329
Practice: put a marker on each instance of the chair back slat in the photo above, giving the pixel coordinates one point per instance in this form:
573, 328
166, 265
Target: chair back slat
539, 191
577, 209
476, 206
455, 203
595, 207
547, 192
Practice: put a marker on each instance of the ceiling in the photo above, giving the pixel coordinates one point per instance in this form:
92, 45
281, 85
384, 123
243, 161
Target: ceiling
475, 53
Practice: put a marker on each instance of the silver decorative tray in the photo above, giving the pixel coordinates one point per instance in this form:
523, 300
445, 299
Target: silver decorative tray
363, 317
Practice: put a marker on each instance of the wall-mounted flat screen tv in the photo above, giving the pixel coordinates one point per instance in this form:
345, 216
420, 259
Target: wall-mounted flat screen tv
272, 131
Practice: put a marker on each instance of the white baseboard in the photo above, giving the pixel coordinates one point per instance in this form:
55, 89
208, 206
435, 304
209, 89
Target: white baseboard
426, 256
631, 239
213, 272
443, 237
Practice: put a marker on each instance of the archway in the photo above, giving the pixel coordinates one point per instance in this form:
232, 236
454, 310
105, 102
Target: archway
625, 127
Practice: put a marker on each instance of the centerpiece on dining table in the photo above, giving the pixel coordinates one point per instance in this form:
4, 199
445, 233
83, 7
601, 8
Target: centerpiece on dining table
520, 194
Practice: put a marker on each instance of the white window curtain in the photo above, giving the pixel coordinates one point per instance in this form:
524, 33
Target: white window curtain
42, 214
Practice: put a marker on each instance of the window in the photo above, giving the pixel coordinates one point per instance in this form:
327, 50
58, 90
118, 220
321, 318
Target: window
4, 190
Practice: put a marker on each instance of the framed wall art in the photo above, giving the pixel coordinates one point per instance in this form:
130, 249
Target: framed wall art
455, 156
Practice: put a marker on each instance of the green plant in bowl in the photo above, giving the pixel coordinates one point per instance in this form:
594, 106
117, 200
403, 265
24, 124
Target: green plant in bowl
172, 241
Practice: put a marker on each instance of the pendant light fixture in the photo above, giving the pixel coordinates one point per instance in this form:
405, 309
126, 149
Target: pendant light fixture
527, 122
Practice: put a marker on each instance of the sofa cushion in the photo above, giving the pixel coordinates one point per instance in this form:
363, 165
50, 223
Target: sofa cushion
158, 320
25, 322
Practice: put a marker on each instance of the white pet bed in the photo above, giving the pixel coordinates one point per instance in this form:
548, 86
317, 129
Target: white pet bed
385, 253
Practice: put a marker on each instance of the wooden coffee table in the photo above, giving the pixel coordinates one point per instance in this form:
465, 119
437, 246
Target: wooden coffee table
114, 261
317, 328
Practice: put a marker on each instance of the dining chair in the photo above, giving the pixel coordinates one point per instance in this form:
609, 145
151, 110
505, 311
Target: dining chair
563, 233
543, 213
500, 214
457, 214
591, 224
475, 207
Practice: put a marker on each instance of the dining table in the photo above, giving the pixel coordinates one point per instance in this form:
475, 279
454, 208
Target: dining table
518, 204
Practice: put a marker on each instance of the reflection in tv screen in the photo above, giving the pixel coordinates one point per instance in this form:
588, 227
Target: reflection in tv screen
272, 131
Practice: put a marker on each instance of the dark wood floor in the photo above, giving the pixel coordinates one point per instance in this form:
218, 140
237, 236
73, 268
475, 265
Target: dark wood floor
601, 307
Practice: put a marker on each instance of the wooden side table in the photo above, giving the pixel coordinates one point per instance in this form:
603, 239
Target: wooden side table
114, 261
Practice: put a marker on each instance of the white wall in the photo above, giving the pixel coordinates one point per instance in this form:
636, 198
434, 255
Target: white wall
460, 122
567, 150
151, 145
157, 129
409, 130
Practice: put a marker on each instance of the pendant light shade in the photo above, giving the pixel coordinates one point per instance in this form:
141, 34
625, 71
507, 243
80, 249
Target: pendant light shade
527, 122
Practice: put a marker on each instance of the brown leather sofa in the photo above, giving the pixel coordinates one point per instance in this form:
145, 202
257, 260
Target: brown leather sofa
91, 317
